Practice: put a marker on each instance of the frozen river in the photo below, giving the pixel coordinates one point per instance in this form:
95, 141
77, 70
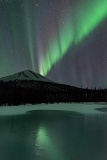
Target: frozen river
54, 132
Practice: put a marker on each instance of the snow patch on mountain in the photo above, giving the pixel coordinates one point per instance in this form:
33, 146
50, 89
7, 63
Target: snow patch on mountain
25, 75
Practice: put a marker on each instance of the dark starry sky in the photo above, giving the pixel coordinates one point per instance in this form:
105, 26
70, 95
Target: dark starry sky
65, 40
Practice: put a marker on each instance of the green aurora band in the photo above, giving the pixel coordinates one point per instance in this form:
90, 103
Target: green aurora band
29, 29
85, 20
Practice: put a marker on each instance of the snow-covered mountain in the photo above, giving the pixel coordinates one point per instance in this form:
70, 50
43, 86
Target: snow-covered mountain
27, 87
25, 75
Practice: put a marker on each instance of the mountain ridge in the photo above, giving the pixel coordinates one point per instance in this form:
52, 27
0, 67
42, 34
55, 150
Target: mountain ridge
25, 75
27, 87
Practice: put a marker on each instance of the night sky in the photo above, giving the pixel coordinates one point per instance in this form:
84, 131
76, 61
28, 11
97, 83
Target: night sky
65, 40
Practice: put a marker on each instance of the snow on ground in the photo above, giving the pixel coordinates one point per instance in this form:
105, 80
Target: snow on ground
83, 108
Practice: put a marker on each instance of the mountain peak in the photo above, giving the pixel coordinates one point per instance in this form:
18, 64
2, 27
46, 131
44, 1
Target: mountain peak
25, 75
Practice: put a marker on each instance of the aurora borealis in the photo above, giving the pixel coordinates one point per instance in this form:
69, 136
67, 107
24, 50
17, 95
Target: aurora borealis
63, 40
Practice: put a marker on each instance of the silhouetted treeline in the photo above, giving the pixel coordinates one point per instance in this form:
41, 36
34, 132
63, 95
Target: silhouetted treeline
35, 92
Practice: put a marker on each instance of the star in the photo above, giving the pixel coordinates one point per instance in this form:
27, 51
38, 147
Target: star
37, 5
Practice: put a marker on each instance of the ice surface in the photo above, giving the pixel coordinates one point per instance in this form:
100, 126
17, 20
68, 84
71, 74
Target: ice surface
83, 108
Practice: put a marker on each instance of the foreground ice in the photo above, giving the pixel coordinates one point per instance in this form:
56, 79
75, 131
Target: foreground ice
82, 108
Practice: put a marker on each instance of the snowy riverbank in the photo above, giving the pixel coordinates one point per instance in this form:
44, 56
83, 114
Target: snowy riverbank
83, 108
